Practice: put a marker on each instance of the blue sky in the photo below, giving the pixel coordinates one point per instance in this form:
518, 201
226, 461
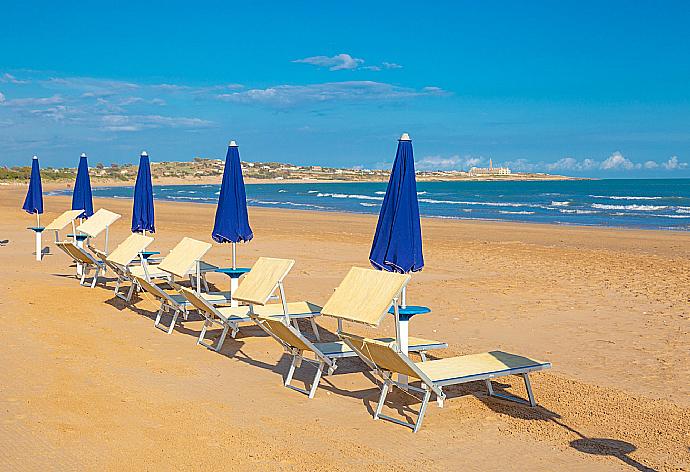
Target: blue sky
580, 88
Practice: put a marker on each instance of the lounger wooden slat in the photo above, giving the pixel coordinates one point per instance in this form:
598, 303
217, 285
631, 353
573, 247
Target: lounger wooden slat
365, 295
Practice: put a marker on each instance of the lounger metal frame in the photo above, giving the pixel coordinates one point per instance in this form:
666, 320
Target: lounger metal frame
86, 260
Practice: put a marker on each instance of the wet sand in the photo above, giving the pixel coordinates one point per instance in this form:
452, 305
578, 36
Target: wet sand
88, 382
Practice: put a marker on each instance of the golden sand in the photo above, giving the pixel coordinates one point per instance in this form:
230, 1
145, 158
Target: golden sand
89, 383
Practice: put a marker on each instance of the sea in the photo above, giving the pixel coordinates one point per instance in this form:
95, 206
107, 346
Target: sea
661, 204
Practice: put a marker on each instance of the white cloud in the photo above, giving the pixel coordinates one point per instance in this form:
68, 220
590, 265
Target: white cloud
337, 62
454, 162
572, 164
34, 101
674, 164
2, 97
616, 161
650, 165
9, 78
345, 62
140, 122
291, 95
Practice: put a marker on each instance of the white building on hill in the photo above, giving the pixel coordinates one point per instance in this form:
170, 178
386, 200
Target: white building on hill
491, 170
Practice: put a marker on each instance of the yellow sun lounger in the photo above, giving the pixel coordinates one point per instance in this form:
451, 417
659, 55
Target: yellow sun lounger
258, 287
324, 355
176, 302
385, 359
122, 257
63, 220
99, 222
83, 258
370, 295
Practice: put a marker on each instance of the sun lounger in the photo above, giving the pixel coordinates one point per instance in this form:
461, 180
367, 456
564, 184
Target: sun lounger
176, 302
257, 288
63, 220
372, 294
82, 257
99, 222
324, 355
385, 358
122, 257
184, 260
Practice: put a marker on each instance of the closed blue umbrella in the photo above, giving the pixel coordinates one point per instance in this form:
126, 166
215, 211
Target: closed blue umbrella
81, 197
397, 243
143, 218
33, 203
232, 222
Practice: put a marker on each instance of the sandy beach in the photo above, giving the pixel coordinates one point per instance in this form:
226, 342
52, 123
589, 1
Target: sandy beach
88, 383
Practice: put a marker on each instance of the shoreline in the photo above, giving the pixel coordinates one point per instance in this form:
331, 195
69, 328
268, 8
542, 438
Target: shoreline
54, 188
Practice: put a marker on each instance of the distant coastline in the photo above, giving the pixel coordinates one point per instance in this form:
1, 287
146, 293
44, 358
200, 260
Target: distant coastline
210, 171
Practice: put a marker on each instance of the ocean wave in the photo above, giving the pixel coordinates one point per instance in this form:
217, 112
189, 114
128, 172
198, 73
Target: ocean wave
626, 197
578, 212
312, 191
282, 191
558, 204
523, 212
671, 216
629, 207
365, 204
348, 195
380, 193
184, 197
497, 204
683, 210
271, 202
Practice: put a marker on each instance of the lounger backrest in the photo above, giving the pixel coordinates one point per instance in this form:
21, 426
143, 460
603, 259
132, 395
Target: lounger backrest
129, 249
198, 302
76, 253
382, 354
285, 333
153, 289
98, 222
260, 283
365, 295
184, 256
63, 220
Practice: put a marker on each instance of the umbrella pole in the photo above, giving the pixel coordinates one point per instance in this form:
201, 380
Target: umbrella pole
234, 280
38, 237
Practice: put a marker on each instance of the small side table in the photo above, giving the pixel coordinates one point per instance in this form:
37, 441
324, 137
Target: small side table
403, 331
39, 247
234, 275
